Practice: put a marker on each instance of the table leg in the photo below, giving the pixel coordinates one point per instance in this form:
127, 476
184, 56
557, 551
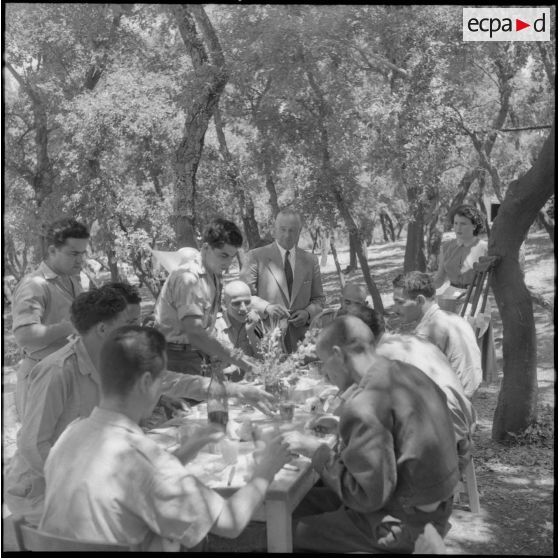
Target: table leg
278, 526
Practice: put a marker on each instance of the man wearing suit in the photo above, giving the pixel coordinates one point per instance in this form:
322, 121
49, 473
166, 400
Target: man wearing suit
285, 280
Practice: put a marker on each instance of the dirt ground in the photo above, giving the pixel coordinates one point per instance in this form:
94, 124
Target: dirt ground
516, 483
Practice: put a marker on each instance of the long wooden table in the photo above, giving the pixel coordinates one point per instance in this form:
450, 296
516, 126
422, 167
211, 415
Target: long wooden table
288, 488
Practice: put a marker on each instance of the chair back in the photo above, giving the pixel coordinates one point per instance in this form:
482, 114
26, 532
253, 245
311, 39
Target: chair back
31, 539
479, 286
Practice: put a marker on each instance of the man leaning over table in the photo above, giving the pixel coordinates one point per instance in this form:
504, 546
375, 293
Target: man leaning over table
395, 467
285, 280
41, 301
187, 307
429, 359
109, 482
65, 386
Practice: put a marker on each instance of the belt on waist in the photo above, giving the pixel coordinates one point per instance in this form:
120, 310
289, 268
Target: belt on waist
459, 286
180, 347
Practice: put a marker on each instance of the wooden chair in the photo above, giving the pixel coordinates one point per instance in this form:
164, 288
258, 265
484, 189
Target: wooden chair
31, 539
480, 285
469, 485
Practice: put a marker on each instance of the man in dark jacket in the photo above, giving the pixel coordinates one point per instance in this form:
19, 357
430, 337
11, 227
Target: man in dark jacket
395, 467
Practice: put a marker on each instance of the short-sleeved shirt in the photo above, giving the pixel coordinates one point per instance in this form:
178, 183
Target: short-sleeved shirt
456, 261
454, 336
108, 482
189, 291
42, 297
234, 333
63, 386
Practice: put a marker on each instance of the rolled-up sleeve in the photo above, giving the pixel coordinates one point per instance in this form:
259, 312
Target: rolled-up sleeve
189, 295
178, 506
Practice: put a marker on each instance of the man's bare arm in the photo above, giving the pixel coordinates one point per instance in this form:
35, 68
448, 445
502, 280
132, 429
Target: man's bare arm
39, 336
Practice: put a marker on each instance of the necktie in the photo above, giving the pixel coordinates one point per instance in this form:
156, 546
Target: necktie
288, 273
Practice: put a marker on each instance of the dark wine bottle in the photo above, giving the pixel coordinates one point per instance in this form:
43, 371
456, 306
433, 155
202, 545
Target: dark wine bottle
217, 400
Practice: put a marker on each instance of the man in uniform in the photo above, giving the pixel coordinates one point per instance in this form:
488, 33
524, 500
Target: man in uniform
107, 481
41, 301
190, 299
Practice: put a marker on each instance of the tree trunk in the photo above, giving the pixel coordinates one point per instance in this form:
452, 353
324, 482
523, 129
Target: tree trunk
547, 222
517, 400
353, 250
251, 228
384, 227
212, 80
336, 261
414, 248
328, 177
270, 187
415, 259
245, 202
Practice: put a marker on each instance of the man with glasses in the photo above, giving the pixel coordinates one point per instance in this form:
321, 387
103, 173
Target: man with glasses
42, 299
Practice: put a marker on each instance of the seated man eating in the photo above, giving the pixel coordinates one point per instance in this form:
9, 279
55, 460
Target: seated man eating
107, 481
395, 467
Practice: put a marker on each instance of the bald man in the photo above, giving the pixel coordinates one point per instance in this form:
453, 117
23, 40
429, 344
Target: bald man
395, 467
239, 324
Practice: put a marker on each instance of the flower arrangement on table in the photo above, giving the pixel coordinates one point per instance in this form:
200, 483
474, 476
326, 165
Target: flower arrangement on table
280, 372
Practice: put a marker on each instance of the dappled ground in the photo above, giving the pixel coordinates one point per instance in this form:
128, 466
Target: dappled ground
516, 483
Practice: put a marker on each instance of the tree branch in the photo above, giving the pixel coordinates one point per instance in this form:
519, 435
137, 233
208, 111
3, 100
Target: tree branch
525, 128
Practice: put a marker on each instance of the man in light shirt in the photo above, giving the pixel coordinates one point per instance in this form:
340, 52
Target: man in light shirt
109, 482
41, 301
415, 300
187, 307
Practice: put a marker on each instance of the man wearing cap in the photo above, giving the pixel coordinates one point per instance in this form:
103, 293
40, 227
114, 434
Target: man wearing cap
285, 280
42, 299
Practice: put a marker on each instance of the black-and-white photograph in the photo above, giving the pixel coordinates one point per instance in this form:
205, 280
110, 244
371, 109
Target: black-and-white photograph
278, 278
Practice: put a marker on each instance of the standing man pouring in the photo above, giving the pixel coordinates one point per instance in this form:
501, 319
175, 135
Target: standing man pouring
42, 300
190, 299
285, 280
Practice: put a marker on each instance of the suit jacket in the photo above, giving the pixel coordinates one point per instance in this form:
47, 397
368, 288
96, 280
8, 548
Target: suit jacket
264, 272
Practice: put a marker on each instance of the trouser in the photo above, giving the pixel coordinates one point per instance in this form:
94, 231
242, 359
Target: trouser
322, 524
185, 361
22, 384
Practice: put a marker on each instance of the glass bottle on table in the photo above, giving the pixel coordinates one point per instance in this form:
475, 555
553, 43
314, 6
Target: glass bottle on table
217, 399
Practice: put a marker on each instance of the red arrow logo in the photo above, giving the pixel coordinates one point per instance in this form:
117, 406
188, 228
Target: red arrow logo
519, 25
